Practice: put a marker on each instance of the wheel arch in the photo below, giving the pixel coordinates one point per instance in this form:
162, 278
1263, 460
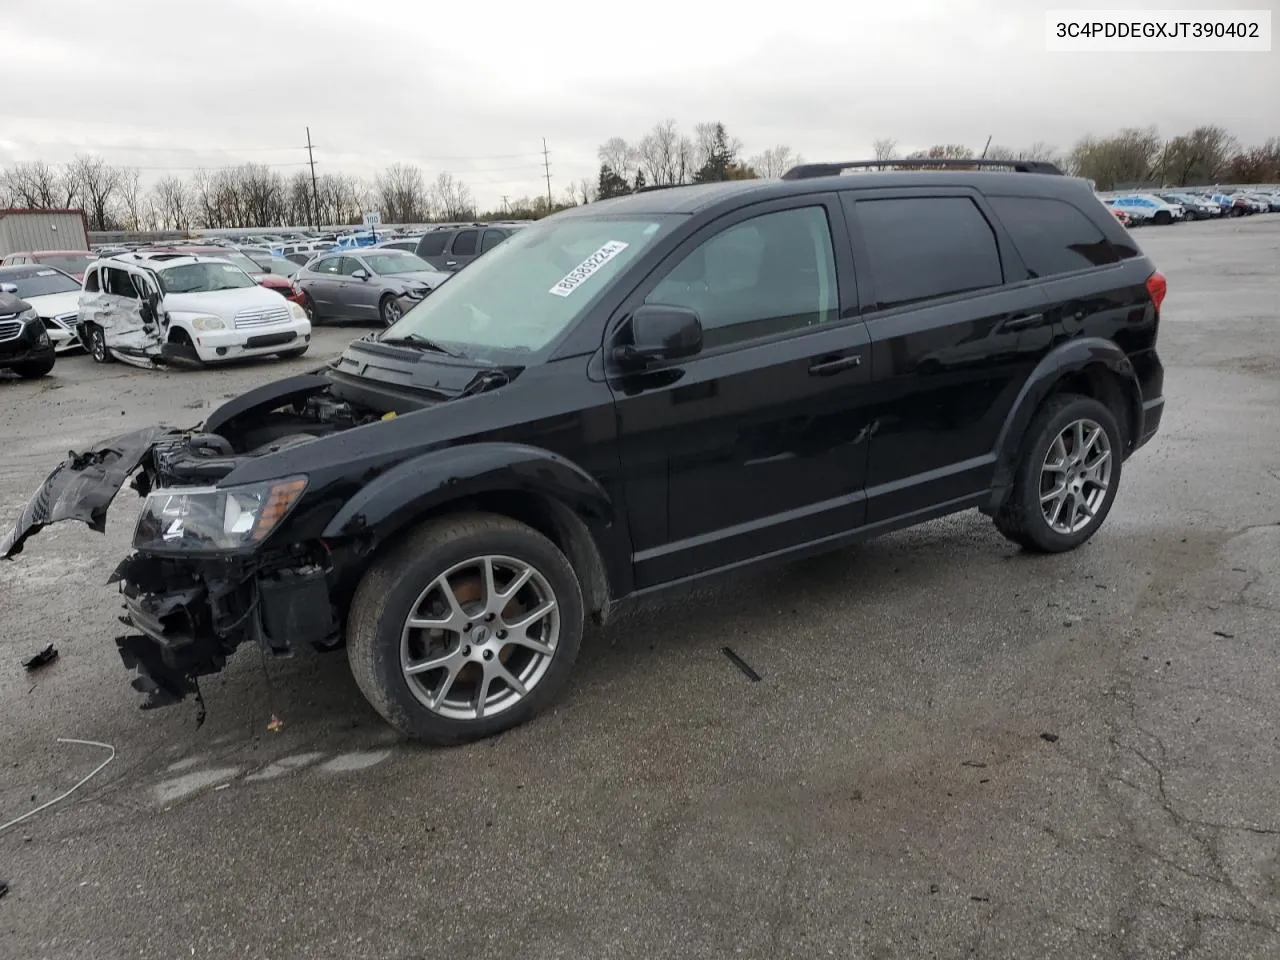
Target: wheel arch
544, 491
1091, 367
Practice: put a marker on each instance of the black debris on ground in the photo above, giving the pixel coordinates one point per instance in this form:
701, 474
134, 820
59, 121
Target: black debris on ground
1049, 737
44, 657
741, 664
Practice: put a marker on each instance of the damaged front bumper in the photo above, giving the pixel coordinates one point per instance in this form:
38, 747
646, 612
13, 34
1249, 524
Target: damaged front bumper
190, 616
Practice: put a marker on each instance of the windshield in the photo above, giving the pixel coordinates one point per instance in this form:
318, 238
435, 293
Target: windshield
39, 281
524, 292
204, 278
242, 261
277, 265
71, 262
391, 262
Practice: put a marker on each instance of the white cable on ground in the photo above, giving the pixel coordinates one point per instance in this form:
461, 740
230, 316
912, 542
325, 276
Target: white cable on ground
96, 771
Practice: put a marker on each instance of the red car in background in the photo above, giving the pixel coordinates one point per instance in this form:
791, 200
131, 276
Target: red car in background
74, 262
272, 281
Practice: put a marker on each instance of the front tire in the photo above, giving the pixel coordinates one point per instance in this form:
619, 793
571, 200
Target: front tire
1163, 218
33, 369
97, 344
389, 310
1067, 476
467, 627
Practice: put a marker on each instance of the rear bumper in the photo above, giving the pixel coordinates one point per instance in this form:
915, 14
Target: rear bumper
1152, 413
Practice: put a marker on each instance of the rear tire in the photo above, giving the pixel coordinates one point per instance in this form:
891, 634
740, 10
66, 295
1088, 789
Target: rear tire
33, 369
1056, 470
478, 640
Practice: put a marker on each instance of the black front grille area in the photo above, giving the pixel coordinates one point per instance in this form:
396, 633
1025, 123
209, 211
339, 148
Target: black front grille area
271, 340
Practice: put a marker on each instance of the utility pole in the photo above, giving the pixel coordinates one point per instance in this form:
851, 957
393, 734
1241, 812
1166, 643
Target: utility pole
315, 192
986, 148
506, 207
546, 164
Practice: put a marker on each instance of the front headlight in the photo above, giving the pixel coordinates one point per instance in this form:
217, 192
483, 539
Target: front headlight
213, 518
208, 323
296, 311
29, 315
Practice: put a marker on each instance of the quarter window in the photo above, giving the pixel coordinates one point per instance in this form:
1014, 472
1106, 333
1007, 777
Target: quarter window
772, 273
919, 248
1053, 236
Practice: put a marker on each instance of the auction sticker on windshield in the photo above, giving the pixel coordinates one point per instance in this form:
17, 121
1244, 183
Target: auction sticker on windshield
583, 271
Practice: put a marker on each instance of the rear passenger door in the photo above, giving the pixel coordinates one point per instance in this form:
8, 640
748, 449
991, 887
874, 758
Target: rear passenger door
957, 326
463, 249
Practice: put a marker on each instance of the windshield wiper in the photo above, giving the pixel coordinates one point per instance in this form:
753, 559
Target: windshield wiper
418, 340
483, 381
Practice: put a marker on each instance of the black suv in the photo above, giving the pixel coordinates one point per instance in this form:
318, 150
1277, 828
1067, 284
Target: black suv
634, 395
25, 347
451, 248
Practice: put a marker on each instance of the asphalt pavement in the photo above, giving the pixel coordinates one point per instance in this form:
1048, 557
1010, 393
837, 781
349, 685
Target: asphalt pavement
955, 750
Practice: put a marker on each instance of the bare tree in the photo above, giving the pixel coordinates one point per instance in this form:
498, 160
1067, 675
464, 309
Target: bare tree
452, 197
98, 182
1127, 157
660, 154
884, 150
401, 194
585, 191
775, 161
172, 203
131, 198
33, 185
620, 157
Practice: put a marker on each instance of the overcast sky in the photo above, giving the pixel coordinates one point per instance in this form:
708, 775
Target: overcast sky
473, 86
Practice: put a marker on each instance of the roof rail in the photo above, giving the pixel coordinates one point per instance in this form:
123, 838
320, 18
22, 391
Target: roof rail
656, 186
806, 171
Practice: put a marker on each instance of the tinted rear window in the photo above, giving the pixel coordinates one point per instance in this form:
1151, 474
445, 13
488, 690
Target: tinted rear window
432, 245
1053, 236
924, 247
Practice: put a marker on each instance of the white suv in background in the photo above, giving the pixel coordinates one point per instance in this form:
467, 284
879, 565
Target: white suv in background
192, 309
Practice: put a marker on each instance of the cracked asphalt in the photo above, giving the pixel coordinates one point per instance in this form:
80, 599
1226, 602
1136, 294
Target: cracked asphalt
955, 750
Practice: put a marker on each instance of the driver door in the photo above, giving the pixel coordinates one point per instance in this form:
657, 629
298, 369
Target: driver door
357, 299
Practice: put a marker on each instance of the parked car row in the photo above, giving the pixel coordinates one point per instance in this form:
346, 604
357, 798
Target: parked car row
1167, 207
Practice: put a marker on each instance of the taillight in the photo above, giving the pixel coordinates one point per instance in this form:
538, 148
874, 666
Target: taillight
1157, 287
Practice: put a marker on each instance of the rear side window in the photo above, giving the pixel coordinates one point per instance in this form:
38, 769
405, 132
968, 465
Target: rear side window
919, 248
1053, 236
491, 239
432, 245
464, 244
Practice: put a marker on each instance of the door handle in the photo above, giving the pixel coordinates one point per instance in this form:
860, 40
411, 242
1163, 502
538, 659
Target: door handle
451, 263
825, 368
1024, 321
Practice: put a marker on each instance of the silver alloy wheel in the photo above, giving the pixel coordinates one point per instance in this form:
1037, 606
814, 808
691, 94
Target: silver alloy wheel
480, 638
391, 311
98, 344
1075, 477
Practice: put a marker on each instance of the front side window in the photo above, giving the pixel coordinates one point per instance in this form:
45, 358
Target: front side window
432, 245
464, 244
349, 266
514, 301
390, 264
120, 284
772, 273
919, 248
329, 266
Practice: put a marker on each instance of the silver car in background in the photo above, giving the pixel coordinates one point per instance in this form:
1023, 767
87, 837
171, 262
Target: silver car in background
367, 284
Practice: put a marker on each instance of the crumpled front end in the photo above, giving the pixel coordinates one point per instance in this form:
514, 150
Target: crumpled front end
188, 616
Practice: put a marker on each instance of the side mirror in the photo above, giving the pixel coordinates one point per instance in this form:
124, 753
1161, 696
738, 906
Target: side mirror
361, 275
8, 288
660, 332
